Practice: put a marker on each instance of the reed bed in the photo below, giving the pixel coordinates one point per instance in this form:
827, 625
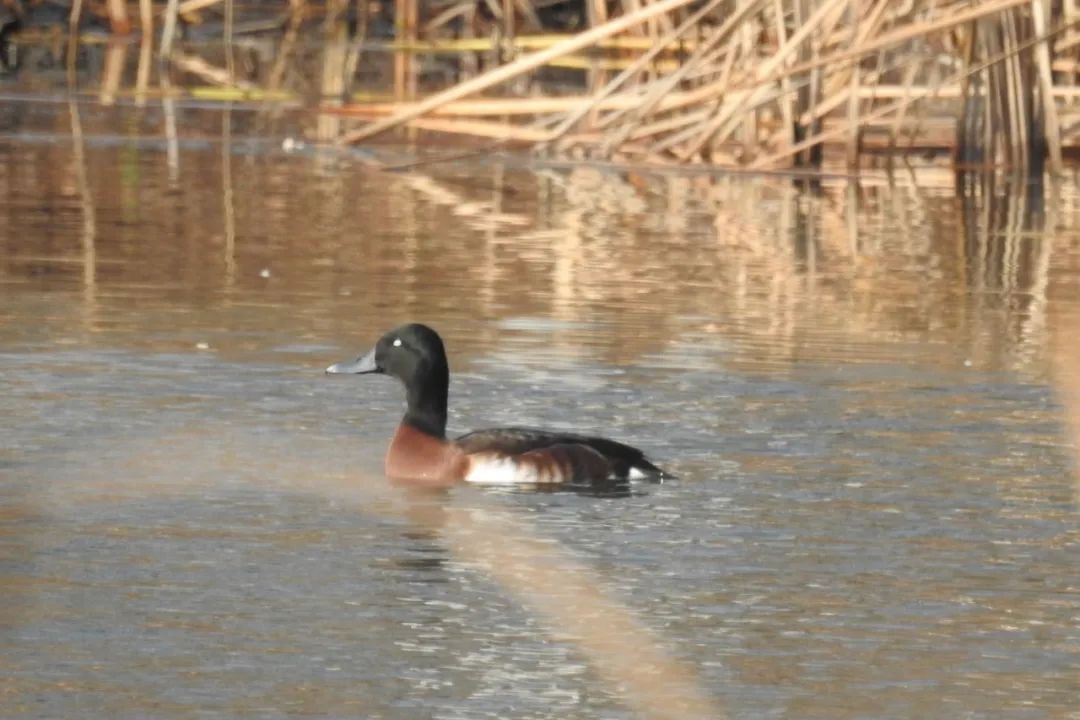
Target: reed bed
733, 83
774, 83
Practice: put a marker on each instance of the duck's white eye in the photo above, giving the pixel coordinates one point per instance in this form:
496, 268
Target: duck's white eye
397, 342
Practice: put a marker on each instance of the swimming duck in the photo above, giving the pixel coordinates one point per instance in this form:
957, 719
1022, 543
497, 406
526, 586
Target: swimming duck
421, 452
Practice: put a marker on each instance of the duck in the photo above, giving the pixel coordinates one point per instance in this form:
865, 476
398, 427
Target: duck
421, 452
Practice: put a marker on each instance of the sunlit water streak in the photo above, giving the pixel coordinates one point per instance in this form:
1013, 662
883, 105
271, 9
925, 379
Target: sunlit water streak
874, 514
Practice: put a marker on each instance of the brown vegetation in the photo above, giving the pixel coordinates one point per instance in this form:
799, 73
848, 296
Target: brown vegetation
769, 83
747, 83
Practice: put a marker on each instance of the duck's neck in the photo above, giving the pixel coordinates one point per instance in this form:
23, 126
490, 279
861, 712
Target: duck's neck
427, 407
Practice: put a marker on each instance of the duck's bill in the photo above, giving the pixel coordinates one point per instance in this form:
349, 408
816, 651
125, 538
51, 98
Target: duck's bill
363, 364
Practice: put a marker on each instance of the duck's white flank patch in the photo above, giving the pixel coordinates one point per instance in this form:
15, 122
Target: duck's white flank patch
636, 474
499, 470
397, 342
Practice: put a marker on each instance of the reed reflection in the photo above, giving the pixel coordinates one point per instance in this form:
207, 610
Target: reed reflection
777, 271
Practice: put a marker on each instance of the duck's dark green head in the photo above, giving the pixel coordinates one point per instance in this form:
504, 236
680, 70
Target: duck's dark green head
415, 355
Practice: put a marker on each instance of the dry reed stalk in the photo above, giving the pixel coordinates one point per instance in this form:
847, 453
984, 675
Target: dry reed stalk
401, 32
230, 59
863, 29
853, 122
691, 133
1017, 94
142, 72
888, 91
528, 42
444, 16
514, 69
496, 131
952, 20
722, 120
297, 10
669, 124
1065, 66
1000, 104
112, 70
1051, 127
916, 95
406, 18
612, 64
211, 73
596, 12
168, 29
909, 81
335, 49
701, 116
509, 26
511, 106
967, 119
73, 38
787, 100
189, 6
638, 109
146, 18
812, 93
745, 130
824, 107
708, 71
119, 23
483, 107
617, 82
356, 46
675, 100
634, 6
915, 30
86, 204
1072, 37
663, 88
228, 205
528, 12
991, 112
857, 34
1068, 43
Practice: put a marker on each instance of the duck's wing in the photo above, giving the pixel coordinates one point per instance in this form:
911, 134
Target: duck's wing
625, 461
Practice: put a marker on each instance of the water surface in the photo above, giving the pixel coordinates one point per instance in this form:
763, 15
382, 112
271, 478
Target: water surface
875, 514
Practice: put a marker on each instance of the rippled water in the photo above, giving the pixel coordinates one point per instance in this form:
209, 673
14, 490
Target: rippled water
875, 514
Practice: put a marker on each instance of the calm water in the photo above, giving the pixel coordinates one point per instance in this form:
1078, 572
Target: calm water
875, 514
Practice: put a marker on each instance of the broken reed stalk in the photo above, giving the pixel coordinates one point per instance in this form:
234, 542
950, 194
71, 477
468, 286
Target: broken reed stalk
609, 89
211, 73
665, 86
896, 37
190, 6
726, 118
518, 67
871, 45
822, 54
903, 102
487, 106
